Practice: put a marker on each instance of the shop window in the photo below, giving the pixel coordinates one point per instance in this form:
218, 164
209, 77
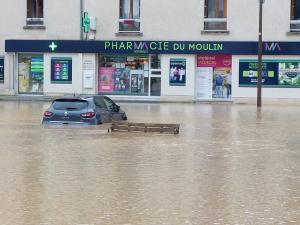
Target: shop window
129, 20
215, 15
295, 15
124, 75
35, 12
30, 73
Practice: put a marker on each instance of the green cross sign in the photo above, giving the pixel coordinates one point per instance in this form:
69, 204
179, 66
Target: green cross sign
53, 46
85, 22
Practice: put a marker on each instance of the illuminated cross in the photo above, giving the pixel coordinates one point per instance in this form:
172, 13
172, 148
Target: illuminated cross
53, 46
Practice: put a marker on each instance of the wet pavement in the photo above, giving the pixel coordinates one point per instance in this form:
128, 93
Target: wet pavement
230, 164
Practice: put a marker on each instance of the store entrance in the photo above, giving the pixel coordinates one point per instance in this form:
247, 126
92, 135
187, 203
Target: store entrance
30, 73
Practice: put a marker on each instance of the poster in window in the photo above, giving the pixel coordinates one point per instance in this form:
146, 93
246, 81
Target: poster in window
61, 70
222, 82
106, 79
289, 74
248, 73
122, 79
137, 81
1, 70
37, 68
177, 72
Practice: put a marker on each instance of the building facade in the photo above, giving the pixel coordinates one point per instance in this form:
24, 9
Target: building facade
157, 50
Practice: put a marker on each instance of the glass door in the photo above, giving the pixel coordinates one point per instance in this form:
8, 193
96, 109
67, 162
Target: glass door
155, 75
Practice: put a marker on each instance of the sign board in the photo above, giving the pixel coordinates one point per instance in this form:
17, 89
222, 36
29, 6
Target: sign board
277, 73
61, 70
153, 47
88, 79
177, 76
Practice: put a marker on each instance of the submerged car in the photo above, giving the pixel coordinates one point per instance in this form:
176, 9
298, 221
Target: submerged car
83, 110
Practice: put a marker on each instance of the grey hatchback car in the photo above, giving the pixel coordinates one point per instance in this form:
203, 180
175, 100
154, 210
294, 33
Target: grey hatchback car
90, 110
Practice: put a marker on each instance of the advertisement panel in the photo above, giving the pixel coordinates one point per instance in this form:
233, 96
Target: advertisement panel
1, 70
177, 72
61, 70
122, 80
289, 74
106, 79
222, 80
275, 73
37, 68
248, 73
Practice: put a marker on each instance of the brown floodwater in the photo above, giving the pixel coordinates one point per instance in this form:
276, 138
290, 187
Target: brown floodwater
230, 164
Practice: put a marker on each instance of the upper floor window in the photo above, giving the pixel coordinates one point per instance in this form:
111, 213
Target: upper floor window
295, 15
35, 12
215, 15
129, 20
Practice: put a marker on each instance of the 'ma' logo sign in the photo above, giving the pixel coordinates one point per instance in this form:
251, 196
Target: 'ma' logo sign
141, 46
272, 46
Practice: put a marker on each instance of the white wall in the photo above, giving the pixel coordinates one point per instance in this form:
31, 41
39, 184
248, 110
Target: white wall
90, 68
187, 91
75, 87
267, 92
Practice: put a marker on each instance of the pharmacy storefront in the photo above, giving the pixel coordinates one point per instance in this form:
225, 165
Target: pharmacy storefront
162, 70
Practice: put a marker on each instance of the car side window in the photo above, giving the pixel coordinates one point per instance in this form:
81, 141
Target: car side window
100, 103
109, 103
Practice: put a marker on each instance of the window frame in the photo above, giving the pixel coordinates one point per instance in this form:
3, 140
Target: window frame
38, 19
294, 22
130, 19
217, 18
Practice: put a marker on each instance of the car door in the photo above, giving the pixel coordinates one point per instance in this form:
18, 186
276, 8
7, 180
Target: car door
113, 108
102, 110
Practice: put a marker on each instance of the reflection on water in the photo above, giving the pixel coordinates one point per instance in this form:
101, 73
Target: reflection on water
229, 165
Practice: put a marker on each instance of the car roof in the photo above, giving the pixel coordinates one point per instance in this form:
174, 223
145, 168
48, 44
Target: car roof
92, 96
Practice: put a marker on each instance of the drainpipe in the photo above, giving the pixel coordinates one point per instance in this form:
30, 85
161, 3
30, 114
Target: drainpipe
81, 13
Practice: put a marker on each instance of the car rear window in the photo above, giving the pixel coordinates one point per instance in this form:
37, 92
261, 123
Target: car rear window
69, 104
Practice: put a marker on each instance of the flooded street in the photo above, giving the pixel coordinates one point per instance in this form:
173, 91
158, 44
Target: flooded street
229, 165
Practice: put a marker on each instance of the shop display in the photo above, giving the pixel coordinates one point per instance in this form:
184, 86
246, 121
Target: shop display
214, 76
61, 70
177, 72
30, 73
123, 75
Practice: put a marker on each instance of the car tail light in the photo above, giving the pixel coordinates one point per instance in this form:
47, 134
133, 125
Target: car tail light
48, 114
87, 115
